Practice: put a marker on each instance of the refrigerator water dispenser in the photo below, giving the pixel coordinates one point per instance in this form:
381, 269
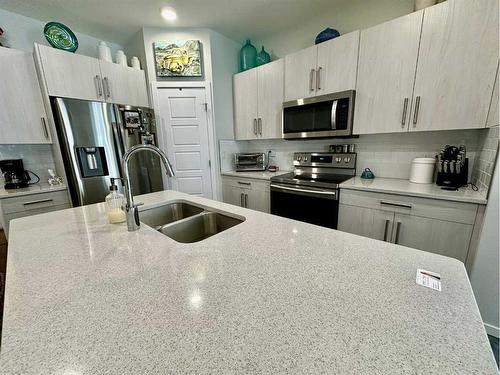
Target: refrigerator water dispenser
92, 161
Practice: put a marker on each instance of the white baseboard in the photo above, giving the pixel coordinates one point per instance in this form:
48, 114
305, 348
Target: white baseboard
492, 330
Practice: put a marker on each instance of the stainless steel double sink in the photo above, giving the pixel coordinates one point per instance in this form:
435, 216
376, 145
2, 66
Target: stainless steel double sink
187, 223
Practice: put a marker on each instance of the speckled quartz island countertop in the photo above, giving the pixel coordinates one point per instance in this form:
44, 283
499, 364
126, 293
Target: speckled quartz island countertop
268, 296
259, 175
31, 189
405, 187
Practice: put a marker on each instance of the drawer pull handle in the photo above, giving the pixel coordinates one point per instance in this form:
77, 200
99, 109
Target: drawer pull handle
39, 201
385, 229
402, 205
244, 183
398, 225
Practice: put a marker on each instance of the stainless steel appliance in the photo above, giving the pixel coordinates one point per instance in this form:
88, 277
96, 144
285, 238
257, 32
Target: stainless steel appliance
15, 175
93, 137
311, 192
250, 162
321, 116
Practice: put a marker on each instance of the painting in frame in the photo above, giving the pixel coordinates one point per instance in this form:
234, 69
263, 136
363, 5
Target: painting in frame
178, 58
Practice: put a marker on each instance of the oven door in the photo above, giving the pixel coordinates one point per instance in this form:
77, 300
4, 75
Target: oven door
322, 116
311, 205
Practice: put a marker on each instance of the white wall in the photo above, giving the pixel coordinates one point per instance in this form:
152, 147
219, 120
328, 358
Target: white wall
485, 271
21, 32
347, 16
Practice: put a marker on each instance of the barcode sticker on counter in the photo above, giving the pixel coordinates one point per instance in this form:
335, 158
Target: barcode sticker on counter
429, 279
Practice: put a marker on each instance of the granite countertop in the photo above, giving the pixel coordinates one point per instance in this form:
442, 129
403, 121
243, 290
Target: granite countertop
260, 175
405, 187
268, 296
31, 189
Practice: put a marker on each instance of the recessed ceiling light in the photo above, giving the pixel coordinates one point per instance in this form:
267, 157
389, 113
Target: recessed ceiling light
168, 13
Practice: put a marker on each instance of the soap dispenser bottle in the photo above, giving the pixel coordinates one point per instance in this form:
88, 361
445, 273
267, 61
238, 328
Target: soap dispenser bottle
114, 204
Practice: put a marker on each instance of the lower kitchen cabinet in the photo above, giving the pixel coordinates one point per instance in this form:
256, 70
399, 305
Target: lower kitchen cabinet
246, 192
437, 226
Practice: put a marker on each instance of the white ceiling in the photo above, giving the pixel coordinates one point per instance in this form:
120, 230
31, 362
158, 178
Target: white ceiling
118, 20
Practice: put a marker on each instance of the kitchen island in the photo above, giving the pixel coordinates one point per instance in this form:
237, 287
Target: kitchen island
267, 296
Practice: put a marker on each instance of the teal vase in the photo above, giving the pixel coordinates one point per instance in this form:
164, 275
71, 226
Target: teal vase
248, 56
263, 57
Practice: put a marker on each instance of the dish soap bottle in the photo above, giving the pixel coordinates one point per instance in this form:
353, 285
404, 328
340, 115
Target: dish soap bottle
114, 204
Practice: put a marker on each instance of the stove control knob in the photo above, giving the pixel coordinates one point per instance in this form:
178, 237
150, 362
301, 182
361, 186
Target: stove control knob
338, 160
299, 158
347, 160
305, 158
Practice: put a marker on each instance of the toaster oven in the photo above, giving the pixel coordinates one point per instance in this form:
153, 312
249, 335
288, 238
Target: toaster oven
250, 162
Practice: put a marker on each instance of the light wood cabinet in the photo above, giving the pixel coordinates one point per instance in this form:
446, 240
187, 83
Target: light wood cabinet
456, 66
386, 72
493, 115
258, 98
69, 75
322, 69
124, 85
248, 193
437, 226
81, 77
22, 113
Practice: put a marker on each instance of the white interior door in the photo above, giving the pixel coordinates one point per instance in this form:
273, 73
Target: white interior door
185, 135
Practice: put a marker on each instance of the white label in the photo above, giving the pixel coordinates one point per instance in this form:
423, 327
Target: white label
429, 279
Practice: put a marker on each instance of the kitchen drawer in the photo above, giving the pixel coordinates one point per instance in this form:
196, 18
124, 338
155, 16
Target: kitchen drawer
458, 212
246, 183
33, 202
36, 211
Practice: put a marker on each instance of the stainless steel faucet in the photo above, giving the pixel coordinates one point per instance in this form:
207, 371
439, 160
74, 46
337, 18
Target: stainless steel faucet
131, 210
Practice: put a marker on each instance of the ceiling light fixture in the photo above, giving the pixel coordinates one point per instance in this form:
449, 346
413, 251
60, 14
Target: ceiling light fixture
168, 13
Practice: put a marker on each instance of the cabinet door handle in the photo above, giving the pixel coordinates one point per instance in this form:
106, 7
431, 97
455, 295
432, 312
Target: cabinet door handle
241, 200
98, 85
385, 229
44, 127
311, 80
259, 122
107, 89
398, 226
246, 200
39, 201
395, 204
244, 183
318, 78
255, 126
415, 114
405, 109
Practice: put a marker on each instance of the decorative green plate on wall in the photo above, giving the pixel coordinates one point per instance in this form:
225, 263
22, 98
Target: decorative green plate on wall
60, 36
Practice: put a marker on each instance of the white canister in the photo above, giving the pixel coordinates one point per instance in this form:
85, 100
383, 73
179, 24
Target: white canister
135, 63
104, 52
422, 170
421, 4
121, 58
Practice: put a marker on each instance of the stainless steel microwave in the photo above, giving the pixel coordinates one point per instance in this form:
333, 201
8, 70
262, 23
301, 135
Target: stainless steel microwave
321, 116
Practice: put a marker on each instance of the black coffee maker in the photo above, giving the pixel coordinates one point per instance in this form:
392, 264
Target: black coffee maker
14, 174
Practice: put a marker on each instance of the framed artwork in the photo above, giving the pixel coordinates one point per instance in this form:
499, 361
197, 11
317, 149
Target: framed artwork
148, 139
178, 58
132, 119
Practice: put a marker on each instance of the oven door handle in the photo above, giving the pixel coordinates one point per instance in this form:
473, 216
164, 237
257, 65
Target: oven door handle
331, 194
333, 115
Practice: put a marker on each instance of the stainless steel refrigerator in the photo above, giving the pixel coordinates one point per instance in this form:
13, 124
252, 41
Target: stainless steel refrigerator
93, 137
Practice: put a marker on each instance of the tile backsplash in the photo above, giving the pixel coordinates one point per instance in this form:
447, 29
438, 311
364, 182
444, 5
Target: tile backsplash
387, 155
487, 154
36, 158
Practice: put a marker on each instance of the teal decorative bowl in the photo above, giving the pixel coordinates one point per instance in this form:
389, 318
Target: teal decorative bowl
60, 36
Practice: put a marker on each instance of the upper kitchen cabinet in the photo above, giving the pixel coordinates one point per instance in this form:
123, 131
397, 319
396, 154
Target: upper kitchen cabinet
70, 75
258, 99
337, 64
76, 76
493, 115
386, 72
22, 112
124, 85
322, 69
456, 66
299, 74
